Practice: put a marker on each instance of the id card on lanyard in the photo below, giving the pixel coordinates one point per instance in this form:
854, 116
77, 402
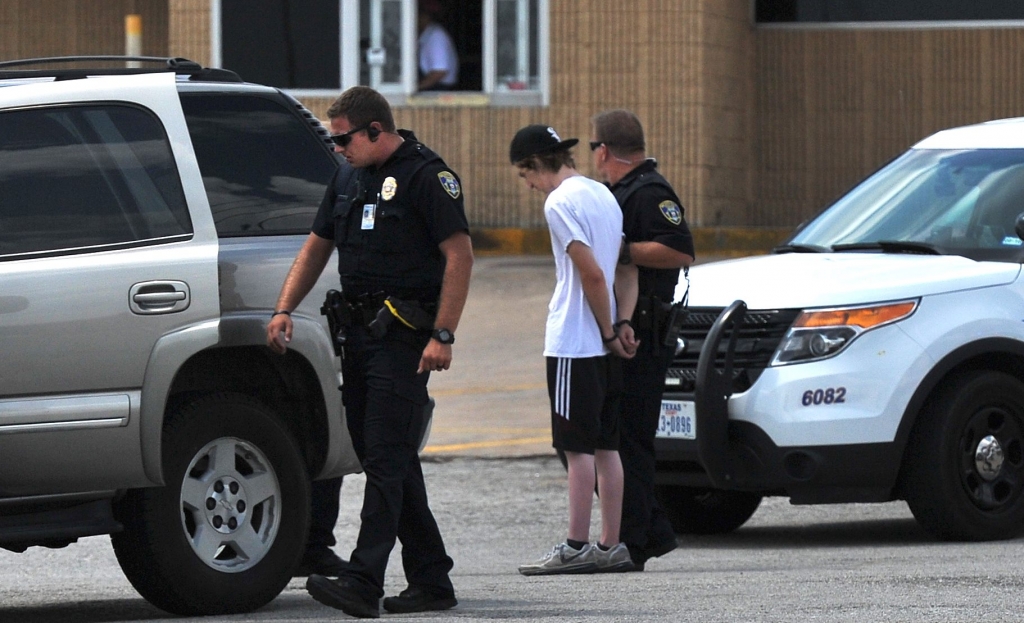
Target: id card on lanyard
369, 214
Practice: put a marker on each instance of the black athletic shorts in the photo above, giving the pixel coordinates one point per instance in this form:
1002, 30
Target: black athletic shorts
585, 397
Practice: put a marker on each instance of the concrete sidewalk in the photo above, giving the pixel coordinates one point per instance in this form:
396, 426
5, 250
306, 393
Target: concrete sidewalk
493, 401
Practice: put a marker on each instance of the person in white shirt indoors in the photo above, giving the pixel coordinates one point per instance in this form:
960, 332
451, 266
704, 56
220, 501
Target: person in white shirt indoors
438, 60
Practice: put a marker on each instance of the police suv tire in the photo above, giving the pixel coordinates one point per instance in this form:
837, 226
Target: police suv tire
173, 551
951, 494
706, 511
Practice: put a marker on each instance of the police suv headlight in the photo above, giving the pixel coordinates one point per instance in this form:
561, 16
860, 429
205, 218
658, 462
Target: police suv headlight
824, 333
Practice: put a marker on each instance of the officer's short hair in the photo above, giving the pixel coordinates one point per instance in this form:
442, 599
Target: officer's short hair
550, 161
361, 106
620, 131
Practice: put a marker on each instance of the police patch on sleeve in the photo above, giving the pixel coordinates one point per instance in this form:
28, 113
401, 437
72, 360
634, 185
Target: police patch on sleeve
670, 209
450, 184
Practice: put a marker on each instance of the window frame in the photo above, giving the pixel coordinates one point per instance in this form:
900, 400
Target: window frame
348, 13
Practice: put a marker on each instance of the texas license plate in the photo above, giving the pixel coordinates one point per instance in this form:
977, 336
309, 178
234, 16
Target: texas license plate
677, 420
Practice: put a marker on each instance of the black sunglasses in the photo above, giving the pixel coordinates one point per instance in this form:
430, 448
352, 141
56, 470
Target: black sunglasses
343, 139
595, 144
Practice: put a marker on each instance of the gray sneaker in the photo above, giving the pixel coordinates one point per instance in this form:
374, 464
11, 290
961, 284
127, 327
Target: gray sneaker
564, 559
615, 560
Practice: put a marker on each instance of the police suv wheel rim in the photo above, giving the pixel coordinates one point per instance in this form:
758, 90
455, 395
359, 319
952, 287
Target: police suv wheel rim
992, 459
988, 457
230, 505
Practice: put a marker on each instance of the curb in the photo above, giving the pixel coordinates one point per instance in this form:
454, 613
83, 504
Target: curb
717, 241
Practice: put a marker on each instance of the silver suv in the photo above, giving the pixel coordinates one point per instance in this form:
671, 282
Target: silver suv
147, 220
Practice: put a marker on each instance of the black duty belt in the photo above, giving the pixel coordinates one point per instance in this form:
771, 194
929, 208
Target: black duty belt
377, 311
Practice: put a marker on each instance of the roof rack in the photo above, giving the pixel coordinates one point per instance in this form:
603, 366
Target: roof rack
180, 66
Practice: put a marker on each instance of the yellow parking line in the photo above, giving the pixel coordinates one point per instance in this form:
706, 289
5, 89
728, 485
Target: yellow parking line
488, 390
491, 430
455, 447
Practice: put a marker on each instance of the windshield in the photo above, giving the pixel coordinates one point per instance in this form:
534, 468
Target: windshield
957, 202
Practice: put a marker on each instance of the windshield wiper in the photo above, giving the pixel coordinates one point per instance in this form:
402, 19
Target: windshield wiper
890, 246
800, 248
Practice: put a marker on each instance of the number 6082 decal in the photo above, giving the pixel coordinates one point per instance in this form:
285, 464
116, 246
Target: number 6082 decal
826, 396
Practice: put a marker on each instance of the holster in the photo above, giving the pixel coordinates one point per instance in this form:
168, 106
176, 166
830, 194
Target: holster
339, 318
658, 320
674, 324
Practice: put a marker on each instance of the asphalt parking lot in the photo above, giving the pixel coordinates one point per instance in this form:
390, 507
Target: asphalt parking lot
499, 495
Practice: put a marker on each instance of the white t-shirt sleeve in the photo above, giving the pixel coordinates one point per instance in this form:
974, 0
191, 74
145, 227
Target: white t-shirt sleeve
565, 227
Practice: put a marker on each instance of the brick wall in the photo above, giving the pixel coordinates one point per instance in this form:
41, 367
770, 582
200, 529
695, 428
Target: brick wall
834, 105
189, 32
36, 28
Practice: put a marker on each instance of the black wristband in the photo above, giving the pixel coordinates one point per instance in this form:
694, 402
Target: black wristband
281, 311
615, 336
620, 323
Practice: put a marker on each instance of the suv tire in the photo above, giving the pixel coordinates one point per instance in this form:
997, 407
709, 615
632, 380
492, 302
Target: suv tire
222, 536
706, 511
952, 492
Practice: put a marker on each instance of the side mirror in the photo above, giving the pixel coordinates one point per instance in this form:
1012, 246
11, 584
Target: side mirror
1018, 226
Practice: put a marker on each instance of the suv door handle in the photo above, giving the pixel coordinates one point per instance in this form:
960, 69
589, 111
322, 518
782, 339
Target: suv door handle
159, 297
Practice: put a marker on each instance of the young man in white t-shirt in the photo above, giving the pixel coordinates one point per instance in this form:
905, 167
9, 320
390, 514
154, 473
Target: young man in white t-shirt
582, 344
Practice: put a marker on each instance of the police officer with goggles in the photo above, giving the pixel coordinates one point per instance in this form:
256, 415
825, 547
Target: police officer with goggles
403, 240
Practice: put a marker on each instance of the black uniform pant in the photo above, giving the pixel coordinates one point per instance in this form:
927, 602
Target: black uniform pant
384, 400
645, 527
323, 514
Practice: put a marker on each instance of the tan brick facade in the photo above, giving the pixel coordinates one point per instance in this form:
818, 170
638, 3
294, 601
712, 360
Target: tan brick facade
833, 105
36, 28
754, 126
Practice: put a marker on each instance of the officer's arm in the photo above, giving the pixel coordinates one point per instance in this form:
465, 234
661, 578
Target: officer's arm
302, 276
458, 253
650, 254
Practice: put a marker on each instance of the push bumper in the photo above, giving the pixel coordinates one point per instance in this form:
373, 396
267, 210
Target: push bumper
737, 455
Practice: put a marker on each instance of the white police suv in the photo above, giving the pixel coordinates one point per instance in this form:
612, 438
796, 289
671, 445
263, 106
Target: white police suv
877, 355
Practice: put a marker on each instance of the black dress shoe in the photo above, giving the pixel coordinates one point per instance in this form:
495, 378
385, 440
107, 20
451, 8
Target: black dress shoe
320, 562
416, 599
343, 595
661, 548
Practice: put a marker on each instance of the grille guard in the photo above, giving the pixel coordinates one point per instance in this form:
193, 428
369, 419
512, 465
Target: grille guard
711, 397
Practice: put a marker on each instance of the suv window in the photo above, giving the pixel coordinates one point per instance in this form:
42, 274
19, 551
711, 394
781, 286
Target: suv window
265, 172
74, 178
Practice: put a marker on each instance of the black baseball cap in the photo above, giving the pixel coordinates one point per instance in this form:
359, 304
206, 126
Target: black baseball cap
537, 139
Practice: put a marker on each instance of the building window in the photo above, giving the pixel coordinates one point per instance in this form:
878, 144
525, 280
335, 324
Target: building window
320, 47
886, 10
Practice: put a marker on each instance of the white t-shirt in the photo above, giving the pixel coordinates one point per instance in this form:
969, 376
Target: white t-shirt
583, 210
436, 52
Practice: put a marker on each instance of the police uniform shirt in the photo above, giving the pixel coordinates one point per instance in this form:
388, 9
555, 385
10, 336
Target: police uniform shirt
652, 212
388, 221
